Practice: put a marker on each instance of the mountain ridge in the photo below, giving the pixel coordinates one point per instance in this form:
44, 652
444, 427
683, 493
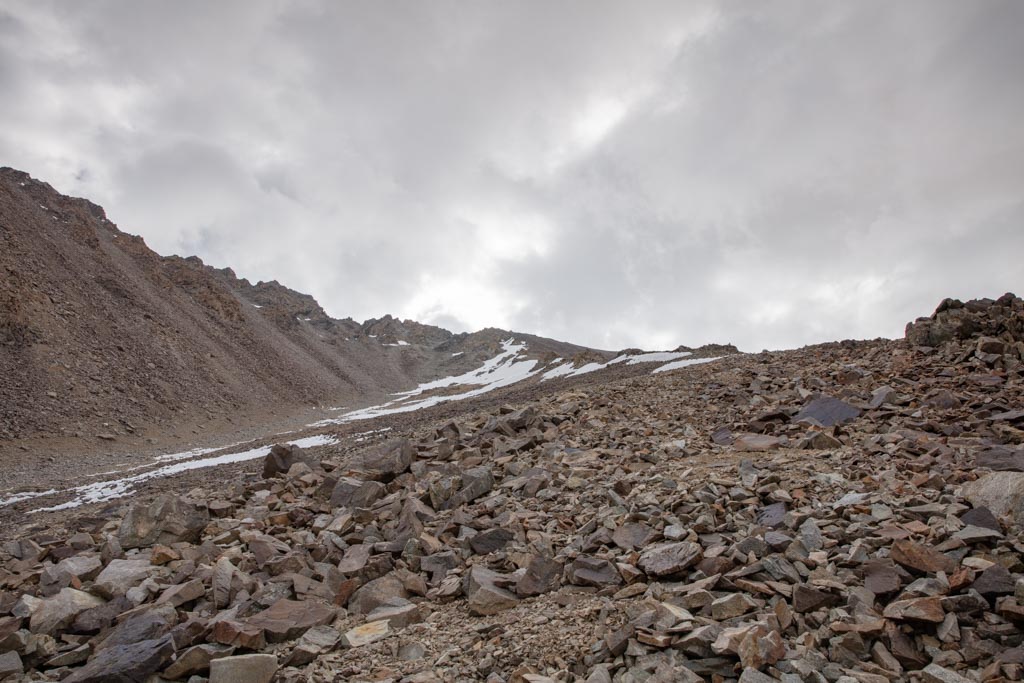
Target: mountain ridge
100, 335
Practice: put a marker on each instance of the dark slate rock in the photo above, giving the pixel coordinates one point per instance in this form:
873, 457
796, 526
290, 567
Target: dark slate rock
983, 517
772, 516
826, 411
125, 663
489, 541
1001, 458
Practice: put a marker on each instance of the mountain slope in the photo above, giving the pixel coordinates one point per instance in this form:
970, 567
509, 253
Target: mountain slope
99, 334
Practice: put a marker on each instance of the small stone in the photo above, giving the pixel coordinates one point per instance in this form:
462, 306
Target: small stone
485, 597
411, 652
922, 558
916, 609
10, 663
666, 559
752, 443
732, 605
196, 660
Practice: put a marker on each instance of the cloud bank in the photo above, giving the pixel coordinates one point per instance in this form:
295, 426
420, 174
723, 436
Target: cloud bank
613, 174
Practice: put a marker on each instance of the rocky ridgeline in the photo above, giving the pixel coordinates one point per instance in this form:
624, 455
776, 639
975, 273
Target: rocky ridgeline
826, 514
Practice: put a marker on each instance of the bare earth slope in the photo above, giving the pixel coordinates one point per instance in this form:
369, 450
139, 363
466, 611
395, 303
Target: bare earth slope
102, 337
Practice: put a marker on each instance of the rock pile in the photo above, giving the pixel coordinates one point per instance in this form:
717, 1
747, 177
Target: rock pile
847, 513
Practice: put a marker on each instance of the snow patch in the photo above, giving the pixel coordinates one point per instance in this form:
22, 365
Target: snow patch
503, 370
682, 364
118, 488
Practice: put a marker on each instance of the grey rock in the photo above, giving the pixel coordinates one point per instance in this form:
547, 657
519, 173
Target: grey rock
826, 411
166, 520
125, 663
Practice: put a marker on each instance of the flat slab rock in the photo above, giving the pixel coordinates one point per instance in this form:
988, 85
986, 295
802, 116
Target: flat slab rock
289, 619
243, 669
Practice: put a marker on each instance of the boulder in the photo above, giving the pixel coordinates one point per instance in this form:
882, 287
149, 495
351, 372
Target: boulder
166, 520
57, 612
666, 559
289, 619
485, 596
281, 458
1000, 492
375, 593
387, 461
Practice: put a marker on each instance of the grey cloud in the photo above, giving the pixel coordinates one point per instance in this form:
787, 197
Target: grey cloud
771, 174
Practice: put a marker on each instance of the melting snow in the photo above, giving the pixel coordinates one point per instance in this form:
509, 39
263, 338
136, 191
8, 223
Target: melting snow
256, 306
682, 364
27, 495
117, 488
500, 371
567, 369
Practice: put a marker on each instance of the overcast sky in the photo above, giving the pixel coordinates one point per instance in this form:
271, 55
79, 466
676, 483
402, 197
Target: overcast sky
616, 174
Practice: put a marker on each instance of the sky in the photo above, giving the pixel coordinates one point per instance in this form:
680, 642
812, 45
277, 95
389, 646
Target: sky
644, 174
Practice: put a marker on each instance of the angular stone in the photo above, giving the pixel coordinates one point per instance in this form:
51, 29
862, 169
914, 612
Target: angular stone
166, 520
933, 673
593, 571
666, 559
289, 619
355, 559
922, 558
125, 663
355, 493
375, 593
313, 643
772, 516
57, 612
1001, 458
732, 605
916, 609
490, 541
826, 411
151, 624
387, 461
196, 660
120, 575
10, 663
541, 576
476, 482
633, 536
243, 669
182, 593
881, 577
398, 612
281, 458
761, 647
808, 599
484, 595
996, 580
981, 517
